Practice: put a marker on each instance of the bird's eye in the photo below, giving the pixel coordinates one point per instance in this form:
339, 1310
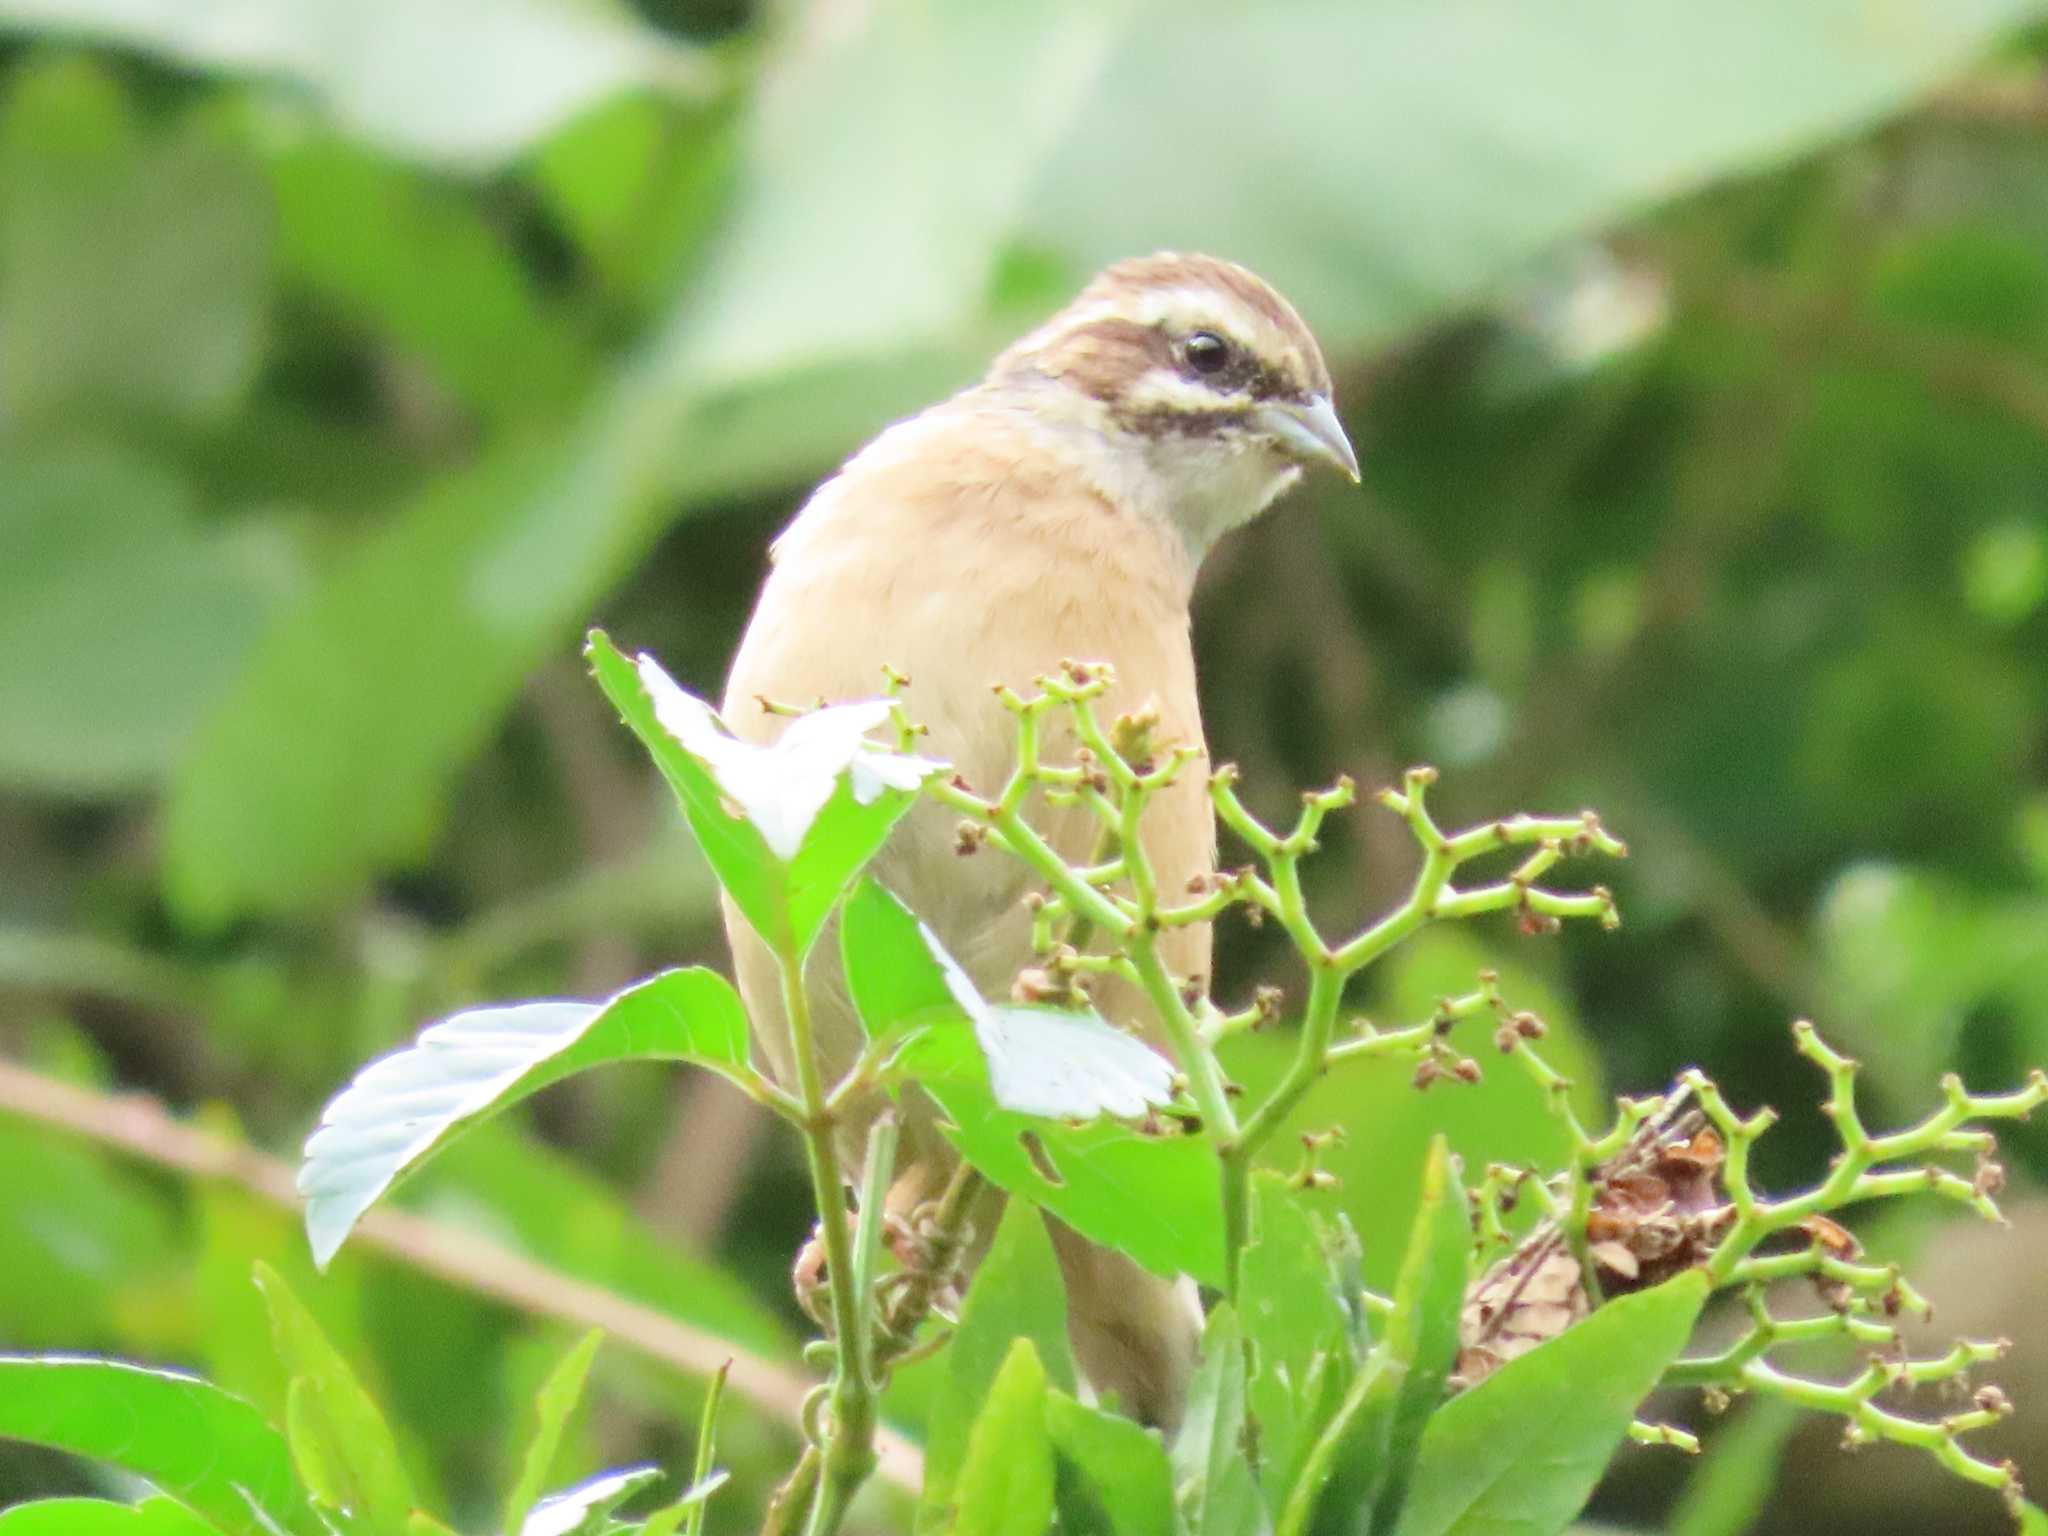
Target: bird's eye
1206, 352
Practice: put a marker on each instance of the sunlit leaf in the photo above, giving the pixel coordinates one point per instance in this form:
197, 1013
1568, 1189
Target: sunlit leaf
484, 1060
209, 1450
1518, 1455
787, 826
1150, 1193
586, 1509
1053, 1062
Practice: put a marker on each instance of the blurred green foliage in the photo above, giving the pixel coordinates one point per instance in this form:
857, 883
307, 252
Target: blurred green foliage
354, 356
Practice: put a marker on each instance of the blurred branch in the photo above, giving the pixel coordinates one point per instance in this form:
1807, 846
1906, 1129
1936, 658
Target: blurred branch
141, 1127
1990, 374
2014, 100
38, 960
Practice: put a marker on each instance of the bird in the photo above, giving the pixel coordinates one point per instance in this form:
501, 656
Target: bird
1058, 509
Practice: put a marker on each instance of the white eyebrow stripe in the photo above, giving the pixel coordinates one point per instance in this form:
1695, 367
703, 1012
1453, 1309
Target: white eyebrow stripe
1161, 388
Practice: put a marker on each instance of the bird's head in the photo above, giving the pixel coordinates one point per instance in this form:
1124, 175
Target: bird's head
1197, 377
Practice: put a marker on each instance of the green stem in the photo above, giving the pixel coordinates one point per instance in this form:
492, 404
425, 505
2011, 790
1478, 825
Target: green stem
848, 1453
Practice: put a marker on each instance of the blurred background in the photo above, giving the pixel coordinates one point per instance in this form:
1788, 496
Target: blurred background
356, 354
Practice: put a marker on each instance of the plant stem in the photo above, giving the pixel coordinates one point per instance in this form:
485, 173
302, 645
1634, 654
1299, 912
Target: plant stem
848, 1453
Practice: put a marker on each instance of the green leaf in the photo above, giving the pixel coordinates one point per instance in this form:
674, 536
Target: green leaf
1355, 1476
210, 1451
416, 261
1736, 1478
1006, 1482
344, 1450
85, 1237
134, 266
1017, 1293
437, 80
484, 1060
100, 1517
1211, 1458
1420, 1339
1063, 127
88, 530
978, 95
1153, 1196
1297, 1320
996, 1070
1518, 1455
1059, 1063
1113, 1479
891, 962
552, 1406
2033, 1520
586, 1509
785, 827
381, 682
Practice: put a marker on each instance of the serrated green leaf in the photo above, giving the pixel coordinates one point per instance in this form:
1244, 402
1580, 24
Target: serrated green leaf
1212, 1464
343, 1448
1006, 1482
1152, 1196
1112, 1476
209, 1450
484, 1060
101, 1517
1518, 1455
1017, 1293
1059, 1063
552, 1406
786, 827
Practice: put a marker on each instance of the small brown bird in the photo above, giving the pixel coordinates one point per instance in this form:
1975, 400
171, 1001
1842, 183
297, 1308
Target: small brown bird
1058, 509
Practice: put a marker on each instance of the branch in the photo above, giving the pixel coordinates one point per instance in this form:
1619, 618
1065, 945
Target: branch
140, 1127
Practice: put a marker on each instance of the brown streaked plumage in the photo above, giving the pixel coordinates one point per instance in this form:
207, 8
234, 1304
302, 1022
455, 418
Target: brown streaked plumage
1059, 509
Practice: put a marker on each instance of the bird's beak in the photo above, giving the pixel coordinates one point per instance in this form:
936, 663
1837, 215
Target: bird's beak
1310, 431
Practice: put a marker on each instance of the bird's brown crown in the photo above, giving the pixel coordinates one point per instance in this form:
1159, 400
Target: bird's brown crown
1174, 343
